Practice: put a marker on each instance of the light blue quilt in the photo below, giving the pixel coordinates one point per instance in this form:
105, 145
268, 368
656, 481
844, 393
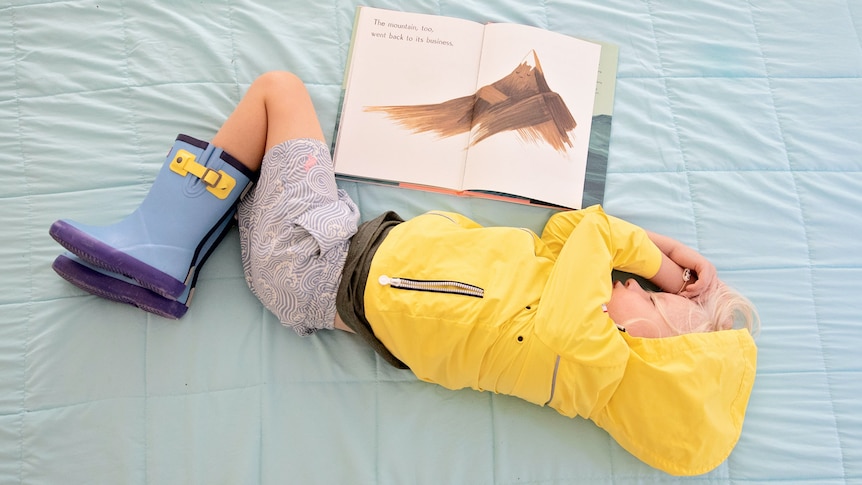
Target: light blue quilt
737, 129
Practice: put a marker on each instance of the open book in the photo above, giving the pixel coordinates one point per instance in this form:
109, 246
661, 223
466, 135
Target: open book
495, 110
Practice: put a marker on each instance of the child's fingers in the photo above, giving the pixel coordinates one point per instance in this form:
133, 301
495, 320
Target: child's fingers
706, 277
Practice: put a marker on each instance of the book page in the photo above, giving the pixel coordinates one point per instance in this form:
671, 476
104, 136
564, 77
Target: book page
539, 88
405, 76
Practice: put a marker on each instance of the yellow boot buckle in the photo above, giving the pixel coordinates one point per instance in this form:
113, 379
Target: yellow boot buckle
218, 183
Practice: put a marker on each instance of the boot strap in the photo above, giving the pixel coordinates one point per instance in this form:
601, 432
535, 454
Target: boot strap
219, 183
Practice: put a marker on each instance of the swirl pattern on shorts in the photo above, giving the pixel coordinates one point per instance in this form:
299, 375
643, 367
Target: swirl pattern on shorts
295, 228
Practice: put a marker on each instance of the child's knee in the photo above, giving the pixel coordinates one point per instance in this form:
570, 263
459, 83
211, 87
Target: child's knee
282, 82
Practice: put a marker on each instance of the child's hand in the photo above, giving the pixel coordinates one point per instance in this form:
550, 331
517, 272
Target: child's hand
703, 276
671, 277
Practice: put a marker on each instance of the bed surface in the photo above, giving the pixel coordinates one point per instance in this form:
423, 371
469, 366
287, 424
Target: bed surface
737, 130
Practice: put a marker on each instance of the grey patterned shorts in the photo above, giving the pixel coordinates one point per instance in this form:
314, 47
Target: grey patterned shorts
295, 228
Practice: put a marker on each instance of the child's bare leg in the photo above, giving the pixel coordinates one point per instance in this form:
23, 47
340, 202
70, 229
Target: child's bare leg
275, 129
275, 109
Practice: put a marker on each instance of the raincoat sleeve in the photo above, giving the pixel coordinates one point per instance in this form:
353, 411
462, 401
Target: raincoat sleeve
630, 247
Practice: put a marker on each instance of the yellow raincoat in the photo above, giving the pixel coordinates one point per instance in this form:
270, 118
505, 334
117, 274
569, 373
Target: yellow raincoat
503, 310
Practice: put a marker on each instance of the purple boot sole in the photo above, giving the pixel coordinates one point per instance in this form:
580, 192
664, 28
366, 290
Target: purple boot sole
115, 289
101, 255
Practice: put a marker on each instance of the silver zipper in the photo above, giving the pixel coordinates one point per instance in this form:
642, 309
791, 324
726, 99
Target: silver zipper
434, 286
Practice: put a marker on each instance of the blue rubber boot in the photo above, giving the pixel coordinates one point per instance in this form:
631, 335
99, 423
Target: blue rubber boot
159, 245
119, 288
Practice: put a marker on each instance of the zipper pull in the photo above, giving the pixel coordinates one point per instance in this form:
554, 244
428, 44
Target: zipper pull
387, 281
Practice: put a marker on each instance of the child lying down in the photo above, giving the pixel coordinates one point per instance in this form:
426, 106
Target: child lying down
667, 373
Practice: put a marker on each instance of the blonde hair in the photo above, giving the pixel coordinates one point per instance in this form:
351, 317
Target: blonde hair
720, 308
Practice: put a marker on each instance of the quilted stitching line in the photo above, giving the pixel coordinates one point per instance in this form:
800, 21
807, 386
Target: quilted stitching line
233, 50
795, 178
676, 128
547, 15
261, 379
26, 343
356, 195
343, 41
128, 88
493, 428
855, 27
